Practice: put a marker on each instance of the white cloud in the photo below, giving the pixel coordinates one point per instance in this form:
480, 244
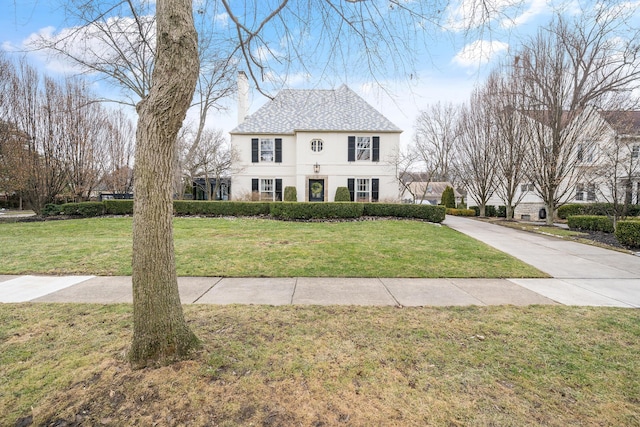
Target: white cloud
536, 8
470, 14
91, 43
478, 53
221, 20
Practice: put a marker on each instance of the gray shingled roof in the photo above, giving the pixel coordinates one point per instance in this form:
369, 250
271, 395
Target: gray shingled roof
319, 110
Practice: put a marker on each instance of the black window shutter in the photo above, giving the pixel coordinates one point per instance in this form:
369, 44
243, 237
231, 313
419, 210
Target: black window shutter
376, 149
351, 185
278, 190
375, 189
254, 185
254, 150
352, 149
278, 150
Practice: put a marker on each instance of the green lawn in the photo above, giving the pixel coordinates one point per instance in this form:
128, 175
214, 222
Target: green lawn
256, 247
310, 366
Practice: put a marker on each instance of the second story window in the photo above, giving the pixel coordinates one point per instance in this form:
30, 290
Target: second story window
266, 150
316, 145
363, 148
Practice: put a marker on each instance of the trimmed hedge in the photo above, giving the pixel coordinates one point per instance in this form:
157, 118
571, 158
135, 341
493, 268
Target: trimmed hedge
461, 212
283, 210
600, 209
310, 210
591, 223
290, 194
83, 209
427, 212
342, 195
219, 208
51, 209
118, 207
628, 233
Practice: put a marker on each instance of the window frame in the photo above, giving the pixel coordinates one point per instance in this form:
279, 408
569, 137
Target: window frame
317, 145
262, 151
361, 151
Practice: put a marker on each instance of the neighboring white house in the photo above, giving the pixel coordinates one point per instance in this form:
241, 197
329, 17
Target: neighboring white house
612, 158
421, 192
315, 141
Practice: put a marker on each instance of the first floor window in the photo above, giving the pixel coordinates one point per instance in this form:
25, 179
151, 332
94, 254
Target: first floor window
267, 189
635, 151
585, 192
526, 187
363, 189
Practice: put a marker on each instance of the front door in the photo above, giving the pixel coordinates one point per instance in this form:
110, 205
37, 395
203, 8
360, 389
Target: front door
316, 190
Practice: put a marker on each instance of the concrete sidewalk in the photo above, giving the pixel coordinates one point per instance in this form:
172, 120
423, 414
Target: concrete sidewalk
278, 291
582, 275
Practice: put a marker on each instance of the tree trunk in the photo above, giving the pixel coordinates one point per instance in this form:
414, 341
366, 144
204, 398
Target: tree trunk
161, 334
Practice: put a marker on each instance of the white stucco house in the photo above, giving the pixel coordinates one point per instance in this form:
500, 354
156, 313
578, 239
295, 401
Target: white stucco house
607, 159
315, 141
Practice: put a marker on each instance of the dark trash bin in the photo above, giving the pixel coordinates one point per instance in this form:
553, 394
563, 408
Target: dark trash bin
542, 213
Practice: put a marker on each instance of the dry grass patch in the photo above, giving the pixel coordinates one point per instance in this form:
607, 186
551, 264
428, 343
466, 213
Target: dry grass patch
312, 366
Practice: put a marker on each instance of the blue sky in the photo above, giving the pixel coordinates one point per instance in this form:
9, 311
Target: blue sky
446, 69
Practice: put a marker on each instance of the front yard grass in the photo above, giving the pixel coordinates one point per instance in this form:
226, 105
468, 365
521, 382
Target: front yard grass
64, 364
246, 247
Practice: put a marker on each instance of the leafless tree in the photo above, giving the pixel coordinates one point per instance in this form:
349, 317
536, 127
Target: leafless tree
570, 70
84, 139
118, 154
476, 150
434, 145
213, 160
34, 116
503, 93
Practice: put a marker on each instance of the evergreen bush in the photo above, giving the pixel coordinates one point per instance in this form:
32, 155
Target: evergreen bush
628, 233
590, 223
448, 198
342, 195
118, 207
83, 209
461, 212
290, 194
51, 209
310, 210
219, 208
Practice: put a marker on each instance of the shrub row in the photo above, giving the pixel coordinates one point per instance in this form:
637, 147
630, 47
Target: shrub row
84, 209
461, 212
628, 233
571, 209
309, 210
590, 223
426, 212
283, 210
220, 208
491, 211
